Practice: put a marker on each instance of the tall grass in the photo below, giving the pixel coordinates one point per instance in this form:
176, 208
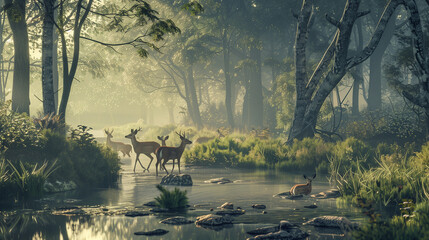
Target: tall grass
399, 227
174, 199
389, 182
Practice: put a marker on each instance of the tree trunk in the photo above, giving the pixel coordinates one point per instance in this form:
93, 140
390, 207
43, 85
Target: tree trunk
55, 74
358, 72
193, 98
256, 101
228, 84
47, 58
245, 110
375, 67
21, 72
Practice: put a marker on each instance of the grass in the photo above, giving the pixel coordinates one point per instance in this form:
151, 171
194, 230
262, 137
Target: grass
174, 199
408, 227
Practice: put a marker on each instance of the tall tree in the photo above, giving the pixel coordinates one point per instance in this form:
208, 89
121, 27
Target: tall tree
21, 72
49, 106
312, 92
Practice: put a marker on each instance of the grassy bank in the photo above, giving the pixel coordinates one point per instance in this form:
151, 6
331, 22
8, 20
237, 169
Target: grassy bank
30, 155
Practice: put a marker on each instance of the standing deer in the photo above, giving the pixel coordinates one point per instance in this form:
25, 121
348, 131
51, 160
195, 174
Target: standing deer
206, 139
117, 146
147, 148
163, 139
164, 154
302, 189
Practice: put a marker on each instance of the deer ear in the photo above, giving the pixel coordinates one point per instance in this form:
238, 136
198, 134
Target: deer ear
314, 176
304, 176
132, 130
159, 138
166, 137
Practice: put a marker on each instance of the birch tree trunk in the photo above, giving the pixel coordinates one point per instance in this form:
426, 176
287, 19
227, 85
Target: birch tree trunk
47, 58
21, 71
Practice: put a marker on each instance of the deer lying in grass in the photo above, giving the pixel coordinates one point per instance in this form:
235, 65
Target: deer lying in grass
117, 146
206, 139
302, 189
164, 154
147, 148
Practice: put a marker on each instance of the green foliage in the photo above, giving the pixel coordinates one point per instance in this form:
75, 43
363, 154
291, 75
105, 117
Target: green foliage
174, 199
81, 135
388, 183
386, 126
16, 130
194, 8
414, 226
30, 182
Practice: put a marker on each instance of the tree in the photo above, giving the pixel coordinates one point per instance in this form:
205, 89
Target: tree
312, 92
415, 57
49, 106
21, 72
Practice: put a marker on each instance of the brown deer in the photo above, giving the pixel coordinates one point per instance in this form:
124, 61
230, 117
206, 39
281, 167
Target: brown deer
206, 139
117, 146
164, 154
147, 148
163, 139
302, 189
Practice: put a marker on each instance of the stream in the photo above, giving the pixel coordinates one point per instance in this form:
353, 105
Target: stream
31, 221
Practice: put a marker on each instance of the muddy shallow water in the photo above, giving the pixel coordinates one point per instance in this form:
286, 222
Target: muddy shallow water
135, 189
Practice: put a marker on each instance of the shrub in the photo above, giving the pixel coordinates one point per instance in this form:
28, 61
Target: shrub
175, 199
399, 227
30, 183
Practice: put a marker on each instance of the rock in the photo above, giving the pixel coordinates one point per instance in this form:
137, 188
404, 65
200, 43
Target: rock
231, 212
177, 221
287, 195
331, 221
178, 180
211, 209
293, 234
221, 180
264, 212
332, 193
71, 212
213, 220
150, 204
282, 195
227, 205
58, 186
264, 230
311, 206
153, 232
259, 206
158, 210
136, 214
285, 225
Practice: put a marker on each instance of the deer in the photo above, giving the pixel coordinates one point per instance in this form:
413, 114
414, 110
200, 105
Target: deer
147, 148
302, 189
163, 139
117, 146
206, 139
164, 154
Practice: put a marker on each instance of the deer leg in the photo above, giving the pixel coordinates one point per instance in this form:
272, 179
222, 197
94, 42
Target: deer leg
151, 159
144, 169
173, 165
135, 163
178, 164
128, 153
163, 165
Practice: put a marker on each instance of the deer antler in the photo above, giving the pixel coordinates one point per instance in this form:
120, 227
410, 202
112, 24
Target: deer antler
139, 129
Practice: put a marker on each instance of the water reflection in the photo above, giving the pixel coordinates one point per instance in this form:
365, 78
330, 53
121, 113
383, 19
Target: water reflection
134, 189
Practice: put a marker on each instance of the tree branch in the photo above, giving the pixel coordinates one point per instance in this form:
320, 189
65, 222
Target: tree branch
333, 21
